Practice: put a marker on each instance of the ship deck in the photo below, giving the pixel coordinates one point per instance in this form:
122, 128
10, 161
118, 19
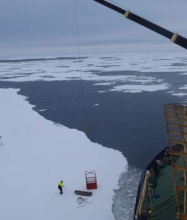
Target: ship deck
159, 200
163, 192
164, 200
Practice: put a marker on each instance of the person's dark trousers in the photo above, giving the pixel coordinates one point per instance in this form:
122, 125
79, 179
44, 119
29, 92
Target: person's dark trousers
60, 188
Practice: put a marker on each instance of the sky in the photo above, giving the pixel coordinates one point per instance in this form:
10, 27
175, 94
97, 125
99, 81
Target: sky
49, 26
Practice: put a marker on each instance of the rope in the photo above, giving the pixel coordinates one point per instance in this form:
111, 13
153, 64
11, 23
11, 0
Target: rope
164, 210
69, 189
173, 203
80, 68
82, 202
163, 203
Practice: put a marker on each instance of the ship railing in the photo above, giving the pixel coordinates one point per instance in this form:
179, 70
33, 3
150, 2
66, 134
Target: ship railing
143, 194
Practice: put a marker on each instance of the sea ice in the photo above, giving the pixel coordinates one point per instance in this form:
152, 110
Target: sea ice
180, 94
140, 88
36, 154
125, 196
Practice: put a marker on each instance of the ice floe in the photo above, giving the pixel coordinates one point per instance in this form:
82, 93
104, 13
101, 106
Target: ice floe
140, 88
36, 154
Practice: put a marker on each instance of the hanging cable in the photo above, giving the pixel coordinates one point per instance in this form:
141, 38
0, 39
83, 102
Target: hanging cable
80, 68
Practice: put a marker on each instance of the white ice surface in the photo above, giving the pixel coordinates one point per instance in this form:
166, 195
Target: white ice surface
42, 110
184, 87
101, 91
102, 84
140, 88
180, 94
36, 154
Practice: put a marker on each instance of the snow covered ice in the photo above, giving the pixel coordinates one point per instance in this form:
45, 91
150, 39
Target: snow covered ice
36, 154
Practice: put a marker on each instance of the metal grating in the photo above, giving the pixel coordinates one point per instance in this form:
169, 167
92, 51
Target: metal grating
176, 123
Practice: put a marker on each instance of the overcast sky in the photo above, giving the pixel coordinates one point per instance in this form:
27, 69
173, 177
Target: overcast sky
49, 26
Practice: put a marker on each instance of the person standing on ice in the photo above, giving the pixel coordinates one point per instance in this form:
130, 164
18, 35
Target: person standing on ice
60, 186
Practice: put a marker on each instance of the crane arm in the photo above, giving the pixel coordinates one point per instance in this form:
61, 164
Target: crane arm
174, 37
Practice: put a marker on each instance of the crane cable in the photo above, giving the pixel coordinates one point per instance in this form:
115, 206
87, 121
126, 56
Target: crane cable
80, 68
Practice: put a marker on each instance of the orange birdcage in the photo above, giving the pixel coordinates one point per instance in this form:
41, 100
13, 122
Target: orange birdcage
91, 179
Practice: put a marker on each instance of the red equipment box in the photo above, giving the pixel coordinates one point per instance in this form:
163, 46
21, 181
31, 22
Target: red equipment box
91, 179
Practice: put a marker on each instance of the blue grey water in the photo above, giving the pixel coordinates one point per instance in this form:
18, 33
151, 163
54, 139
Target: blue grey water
132, 123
